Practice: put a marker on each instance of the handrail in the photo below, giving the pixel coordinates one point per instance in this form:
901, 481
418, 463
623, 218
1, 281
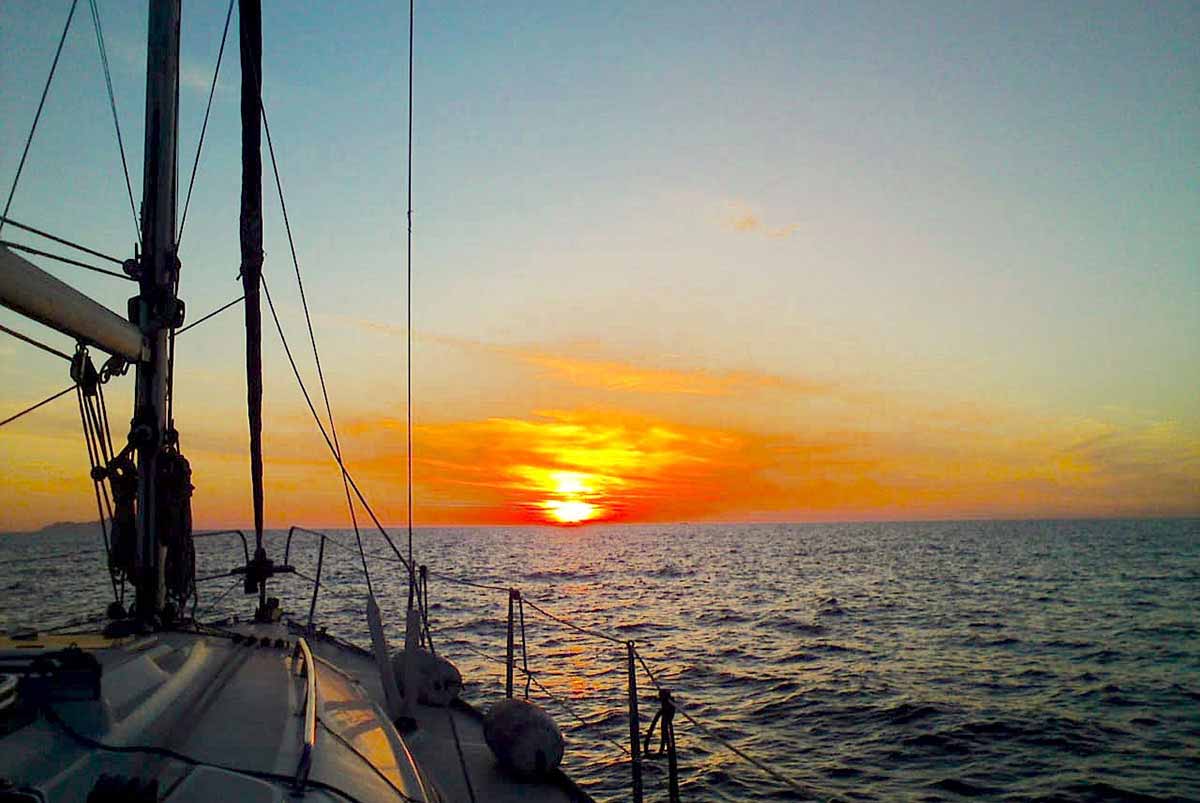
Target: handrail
245, 544
287, 551
287, 545
308, 736
333, 541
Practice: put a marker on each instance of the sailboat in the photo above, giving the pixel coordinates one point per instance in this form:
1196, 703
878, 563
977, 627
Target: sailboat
152, 702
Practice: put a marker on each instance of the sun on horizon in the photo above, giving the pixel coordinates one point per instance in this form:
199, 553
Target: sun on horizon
570, 503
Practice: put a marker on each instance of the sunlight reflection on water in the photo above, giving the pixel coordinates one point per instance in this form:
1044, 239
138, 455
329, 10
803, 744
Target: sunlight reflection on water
877, 661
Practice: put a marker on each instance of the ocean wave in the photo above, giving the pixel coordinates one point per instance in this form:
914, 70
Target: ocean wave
791, 624
875, 674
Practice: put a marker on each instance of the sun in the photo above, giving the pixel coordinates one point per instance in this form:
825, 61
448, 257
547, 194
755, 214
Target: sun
571, 511
567, 483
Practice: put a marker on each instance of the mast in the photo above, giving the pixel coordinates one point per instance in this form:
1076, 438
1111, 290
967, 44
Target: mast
250, 26
157, 309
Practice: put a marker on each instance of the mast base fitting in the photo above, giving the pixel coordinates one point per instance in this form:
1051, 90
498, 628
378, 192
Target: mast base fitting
271, 612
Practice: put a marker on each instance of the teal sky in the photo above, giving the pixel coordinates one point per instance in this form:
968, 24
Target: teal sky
975, 202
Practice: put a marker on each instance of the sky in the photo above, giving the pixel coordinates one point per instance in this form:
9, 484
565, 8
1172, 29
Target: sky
671, 261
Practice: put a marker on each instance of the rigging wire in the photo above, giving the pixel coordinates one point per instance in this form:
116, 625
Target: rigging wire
212, 314
35, 343
312, 338
62, 241
43, 402
112, 102
38, 115
65, 260
321, 426
179, 234
204, 127
408, 295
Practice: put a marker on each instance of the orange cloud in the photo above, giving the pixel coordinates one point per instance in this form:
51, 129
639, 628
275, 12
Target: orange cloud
596, 465
614, 375
843, 453
567, 466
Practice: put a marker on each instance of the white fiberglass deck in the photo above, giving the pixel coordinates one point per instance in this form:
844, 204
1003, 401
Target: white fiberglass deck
218, 711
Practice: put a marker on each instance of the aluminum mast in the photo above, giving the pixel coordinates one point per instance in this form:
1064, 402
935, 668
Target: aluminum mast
156, 309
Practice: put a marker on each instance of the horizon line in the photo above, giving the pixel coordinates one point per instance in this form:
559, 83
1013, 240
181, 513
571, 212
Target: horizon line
403, 527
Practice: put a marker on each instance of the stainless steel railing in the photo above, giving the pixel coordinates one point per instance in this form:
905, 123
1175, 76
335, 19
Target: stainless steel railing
308, 735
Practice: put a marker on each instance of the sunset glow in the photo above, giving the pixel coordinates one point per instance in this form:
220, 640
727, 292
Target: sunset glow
888, 266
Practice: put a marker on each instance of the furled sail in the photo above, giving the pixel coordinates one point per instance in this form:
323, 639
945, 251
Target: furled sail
250, 24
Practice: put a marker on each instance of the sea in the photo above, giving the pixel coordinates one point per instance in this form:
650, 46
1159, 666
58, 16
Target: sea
934, 661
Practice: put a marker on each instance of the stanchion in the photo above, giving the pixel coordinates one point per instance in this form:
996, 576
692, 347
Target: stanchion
513, 596
635, 728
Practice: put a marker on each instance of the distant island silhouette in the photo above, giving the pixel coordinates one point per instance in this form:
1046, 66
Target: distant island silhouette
56, 528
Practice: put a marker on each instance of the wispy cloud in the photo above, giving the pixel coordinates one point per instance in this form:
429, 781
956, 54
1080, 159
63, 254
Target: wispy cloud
622, 376
576, 367
741, 217
193, 75
585, 371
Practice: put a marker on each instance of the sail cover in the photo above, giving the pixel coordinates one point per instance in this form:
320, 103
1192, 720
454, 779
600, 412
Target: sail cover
250, 23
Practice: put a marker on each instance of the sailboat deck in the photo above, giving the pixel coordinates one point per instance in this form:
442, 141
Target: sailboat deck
436, 750
214, 717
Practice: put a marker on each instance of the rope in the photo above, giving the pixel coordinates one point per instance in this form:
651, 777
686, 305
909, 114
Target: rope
85, 620
217, 601
98, 457
583, 720
38, 115
350, 746
112, 102
164, 752
30, 409
312, 338
212, 314
204, 127
65, 260
61, 241
585, 631
783, 779
646, 667
35, 343
462, 761
462, 582
334, 592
